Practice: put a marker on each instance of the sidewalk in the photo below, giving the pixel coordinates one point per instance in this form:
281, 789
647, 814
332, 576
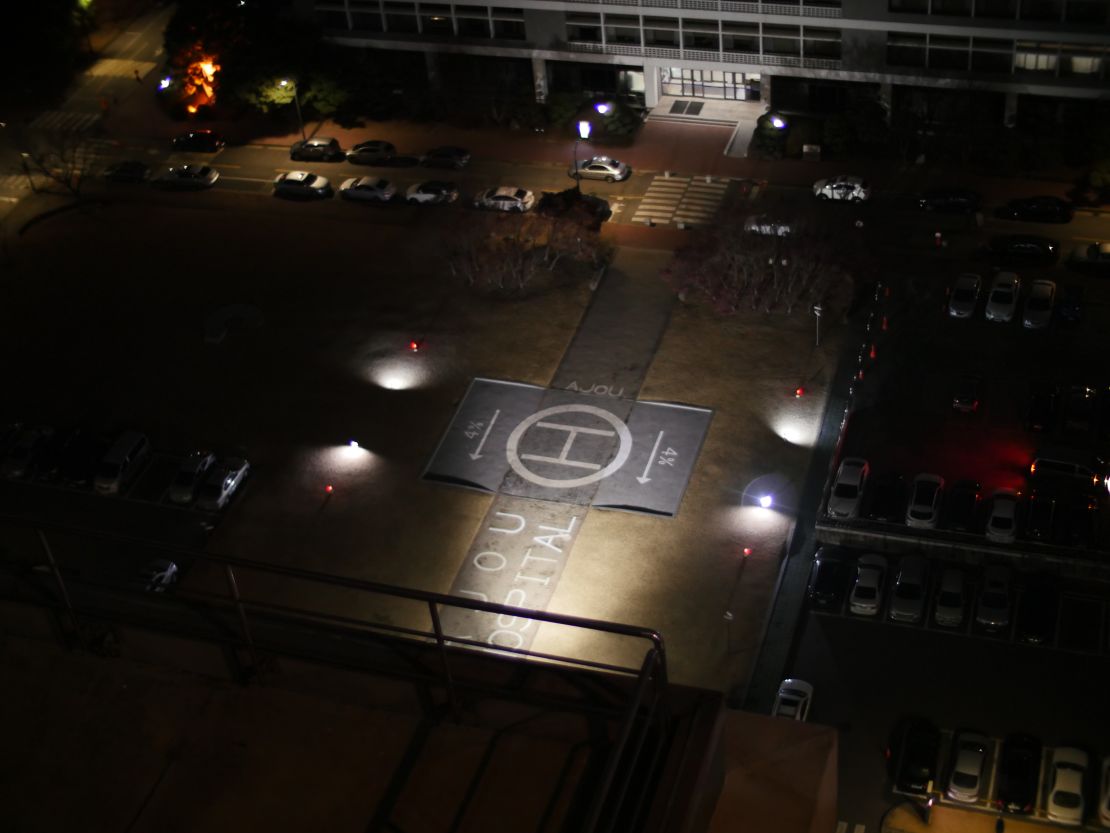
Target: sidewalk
949, 819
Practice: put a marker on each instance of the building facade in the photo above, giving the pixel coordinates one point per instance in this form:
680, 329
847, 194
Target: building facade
728, 49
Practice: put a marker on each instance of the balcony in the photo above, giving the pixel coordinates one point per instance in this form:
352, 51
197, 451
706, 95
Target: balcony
709, 56
783, 9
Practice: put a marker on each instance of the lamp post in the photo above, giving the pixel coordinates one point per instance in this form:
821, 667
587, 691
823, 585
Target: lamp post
584, 128
285, 82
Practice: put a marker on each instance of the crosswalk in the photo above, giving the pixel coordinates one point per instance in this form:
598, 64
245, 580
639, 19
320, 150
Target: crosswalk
119, 68
64, 121
681, 199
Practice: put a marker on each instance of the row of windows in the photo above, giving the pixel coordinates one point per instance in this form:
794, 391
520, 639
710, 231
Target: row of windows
1060, 11
909, 49
472, 22
711, 35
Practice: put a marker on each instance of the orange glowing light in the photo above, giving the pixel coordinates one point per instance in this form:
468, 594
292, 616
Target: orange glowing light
198, 78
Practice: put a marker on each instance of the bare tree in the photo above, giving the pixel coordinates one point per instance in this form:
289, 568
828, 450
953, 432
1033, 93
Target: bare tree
62, 158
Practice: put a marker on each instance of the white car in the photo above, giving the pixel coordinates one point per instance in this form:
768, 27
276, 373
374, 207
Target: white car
851, 480
1039, 304
157, 575
505, 198
867, 591
432, 192
968, 760
601, 167
1002, 521
924, 506
842, 187
223, 480
764, 225
1002, 299
301, 184
993, 609
367, 189
1065, 803
1104, 794
793, 700
907, 596
187, 178
190, 474
965, 295
951, 599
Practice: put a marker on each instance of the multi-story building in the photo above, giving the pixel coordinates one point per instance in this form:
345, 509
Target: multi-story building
728, 49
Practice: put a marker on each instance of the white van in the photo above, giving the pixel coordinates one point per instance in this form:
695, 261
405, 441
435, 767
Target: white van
122, 462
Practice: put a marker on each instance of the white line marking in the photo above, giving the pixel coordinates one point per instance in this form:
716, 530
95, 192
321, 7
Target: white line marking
643, 478
476, 453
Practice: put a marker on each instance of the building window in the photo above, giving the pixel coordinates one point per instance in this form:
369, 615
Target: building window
661, 32
584, 28
622, 29
400, 17
909, 6
331, 19
991, 55
996, 8
435, 19
781, 40
1086, 11
905, 49
948, 53
955, 8
821, 43
508, 29
1079, 61
740, 37
701, 34
1035, 57
1042, 9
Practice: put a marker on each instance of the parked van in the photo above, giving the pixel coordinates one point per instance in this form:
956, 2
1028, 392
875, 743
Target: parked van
1070, 467
122, 462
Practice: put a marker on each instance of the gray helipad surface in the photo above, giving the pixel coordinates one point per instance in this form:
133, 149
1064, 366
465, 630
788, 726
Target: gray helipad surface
571, 447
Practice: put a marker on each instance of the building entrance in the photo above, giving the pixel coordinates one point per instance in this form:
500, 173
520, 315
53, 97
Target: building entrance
709, 83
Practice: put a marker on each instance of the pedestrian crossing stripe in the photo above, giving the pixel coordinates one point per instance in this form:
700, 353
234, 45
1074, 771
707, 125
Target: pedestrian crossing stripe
681, 199
119, 68
64, 121
13, 182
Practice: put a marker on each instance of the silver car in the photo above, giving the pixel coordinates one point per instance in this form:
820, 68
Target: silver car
600, 167
432, 192
301, 184
842, 187
367, 189
969, 759
1002, 299
993, 609
924, 506
322, 148
1065, 804
762, 224
951, 599
1038, 306
222, 482
907, 599
157, 575
964, 295
1002, 520
867, 591
190, 474
505, 198
186, 178
851, 480
793, 700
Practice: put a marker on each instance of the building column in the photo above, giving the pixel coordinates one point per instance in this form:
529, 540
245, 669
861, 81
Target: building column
539, 78
1009, 110
886, 98
431, 63
651, 84
765, 90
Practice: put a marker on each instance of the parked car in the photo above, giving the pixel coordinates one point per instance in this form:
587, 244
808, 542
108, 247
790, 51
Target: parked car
764, 225
887, 498
1017, 249
505, 198
1104, 794
1076, 520
907, 598
157, 575
367, 189
446, 157
317, 149
1019, 771
221, 483
1079, 409
964, 296
827, 579
793, 700
1002, 298
199, 141
961, 506
1065, 804
950, 201
848, 487
1002, 520
1040, 512
1038, 305
190, 474
969, 757
81, 459
21, 454
925, 497
842, 187
186, 178
867, 590
994, 602
301, 184
1038, 609
1040, 408
122, 463
1070, 306
1041, 209
913, 753
371, 152
432, 192
46, 465
130, 170
965, 395
1092, 257
600, 167
951, 602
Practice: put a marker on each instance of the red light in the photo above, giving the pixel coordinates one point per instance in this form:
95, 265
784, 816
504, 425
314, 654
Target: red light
328, 488
747, 551
860, 374
798, 392
414, 345
872, 351
884, 323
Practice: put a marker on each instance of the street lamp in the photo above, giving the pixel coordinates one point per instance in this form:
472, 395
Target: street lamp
285, 82
584, 128
778, 122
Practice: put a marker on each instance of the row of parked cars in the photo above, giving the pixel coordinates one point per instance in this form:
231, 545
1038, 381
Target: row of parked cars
79, 458
913, 591
914, 752
1002, 298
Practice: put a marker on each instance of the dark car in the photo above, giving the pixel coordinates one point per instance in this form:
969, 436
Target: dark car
446, 157
1069, 306
81, 459
322, 148
1019, 768
1038, 609
961, 506
47, 463
1040, 516
887, 498
1040, 410
828, 579
199, 141
1042, 209
966, 393
1079, 409
23, 449
1024, 248
372, 152
950, 201
128, 171
1076, 519
1093, 258
912, 755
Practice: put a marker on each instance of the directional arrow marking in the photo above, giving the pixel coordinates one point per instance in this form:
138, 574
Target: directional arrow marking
476, 453
643, 478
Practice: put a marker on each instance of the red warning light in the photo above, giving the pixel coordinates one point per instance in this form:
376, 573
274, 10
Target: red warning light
884, 323
799, 392
859, 375
747, 551
872, 351
328, 488
414, 345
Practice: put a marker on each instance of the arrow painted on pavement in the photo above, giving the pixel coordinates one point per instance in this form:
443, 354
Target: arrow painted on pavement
476, 453
643, 478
